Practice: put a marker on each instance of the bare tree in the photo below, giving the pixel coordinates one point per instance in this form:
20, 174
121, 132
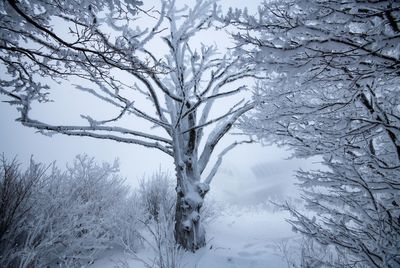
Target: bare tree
181, 86
333, 91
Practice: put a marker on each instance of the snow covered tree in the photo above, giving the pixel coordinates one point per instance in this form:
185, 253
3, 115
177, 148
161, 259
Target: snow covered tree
102, 44
334, 91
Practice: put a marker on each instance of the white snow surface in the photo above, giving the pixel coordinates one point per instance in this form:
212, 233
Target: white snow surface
242, 237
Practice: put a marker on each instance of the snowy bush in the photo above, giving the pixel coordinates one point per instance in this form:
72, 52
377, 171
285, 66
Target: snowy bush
127, 223
17, 189
146, 220
160, 239
304, 252
157, 193
63, 218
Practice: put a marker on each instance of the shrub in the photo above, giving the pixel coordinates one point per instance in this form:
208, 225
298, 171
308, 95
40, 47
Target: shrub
157, 193
64, 218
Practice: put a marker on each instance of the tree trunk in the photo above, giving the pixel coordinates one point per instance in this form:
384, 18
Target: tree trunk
189, 230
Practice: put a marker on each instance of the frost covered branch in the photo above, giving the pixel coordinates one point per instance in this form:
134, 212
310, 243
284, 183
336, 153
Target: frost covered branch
333, 92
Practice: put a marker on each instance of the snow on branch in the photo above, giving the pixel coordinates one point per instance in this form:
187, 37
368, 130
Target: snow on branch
219, 132
332, 92
88, 131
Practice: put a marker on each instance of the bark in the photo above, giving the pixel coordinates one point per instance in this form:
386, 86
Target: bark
189, 230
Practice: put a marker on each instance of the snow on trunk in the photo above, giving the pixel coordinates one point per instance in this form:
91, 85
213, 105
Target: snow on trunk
189, 231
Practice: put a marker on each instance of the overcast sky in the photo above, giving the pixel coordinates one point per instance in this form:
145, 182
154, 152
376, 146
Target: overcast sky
249, 173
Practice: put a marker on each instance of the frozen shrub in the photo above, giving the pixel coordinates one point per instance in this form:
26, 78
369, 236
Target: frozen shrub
64, 218
126, 224
17, 190
168, 254
304, 252
147, 219
156, 193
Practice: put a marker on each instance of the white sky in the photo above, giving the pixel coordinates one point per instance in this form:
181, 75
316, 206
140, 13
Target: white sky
248, 172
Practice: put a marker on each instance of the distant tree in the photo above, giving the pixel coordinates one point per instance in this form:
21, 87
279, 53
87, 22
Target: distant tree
101, 43
334, 91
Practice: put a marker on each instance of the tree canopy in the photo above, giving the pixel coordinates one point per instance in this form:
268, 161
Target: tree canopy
333, 91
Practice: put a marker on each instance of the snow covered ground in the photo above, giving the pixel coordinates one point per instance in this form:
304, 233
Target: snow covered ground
246, 238
240, 238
